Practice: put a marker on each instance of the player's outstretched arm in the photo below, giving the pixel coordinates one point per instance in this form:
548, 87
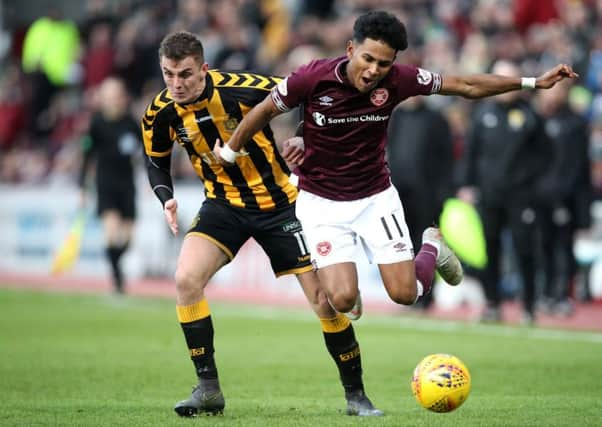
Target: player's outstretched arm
483, 85
252, 122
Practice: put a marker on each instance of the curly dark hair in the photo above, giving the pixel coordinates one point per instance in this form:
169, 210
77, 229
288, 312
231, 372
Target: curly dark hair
382, 26
180, 45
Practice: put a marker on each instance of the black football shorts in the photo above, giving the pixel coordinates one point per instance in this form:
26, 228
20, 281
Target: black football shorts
278, 232
120, 198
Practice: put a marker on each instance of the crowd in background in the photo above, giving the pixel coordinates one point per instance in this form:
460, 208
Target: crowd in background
44, 120
46, 111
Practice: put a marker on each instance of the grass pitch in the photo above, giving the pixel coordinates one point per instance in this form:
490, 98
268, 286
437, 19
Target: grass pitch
96, 360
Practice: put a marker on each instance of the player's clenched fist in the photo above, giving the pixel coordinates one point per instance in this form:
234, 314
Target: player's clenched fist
293, 150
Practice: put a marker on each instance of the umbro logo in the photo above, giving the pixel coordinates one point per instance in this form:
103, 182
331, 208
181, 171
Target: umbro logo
326, 100
399, 247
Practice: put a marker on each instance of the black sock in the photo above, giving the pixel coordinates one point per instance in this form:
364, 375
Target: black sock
345, 351
113, 254
197, 326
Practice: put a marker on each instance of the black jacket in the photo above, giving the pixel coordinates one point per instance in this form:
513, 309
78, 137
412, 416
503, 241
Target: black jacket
420, 156
506, 152
567, 181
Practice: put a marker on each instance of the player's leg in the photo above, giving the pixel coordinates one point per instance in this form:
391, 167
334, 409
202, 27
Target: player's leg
448, 265
340, 282
333, 244
407, 281
342, 345
387, 241
114, 248
494, 221
549, 264
127, 211
567, 269
126, 228
116, 207
199, 260
213, 240
283, 240
523, 226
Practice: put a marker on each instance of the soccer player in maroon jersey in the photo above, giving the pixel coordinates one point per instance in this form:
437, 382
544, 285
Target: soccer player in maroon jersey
346, 201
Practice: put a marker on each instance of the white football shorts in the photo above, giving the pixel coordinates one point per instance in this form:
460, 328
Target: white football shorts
335, 230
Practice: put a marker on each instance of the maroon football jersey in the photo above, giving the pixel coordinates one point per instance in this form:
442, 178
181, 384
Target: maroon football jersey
345, 130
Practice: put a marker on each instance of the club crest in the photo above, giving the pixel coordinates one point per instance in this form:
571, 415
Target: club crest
231, 123
379, 96
323, 248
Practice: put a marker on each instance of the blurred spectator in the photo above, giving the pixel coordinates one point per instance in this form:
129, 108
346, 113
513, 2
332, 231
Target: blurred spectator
565, 196
12, 107
559, 47
198, 17
50, 58
51, 46
595, 149
273, 20
579, 27
475, 56
454, 14
421, 158
322, 9
506, 153
493, 16
98, 58
136, 44
593, 78
67, 118
240, 39
530, 12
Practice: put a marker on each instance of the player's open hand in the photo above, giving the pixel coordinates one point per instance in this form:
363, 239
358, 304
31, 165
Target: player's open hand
293, 150
556, 74
171, 215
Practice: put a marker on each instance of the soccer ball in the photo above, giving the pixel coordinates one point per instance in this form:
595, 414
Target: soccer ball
441, 382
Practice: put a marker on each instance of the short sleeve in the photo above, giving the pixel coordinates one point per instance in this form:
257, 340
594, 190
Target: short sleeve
156, 134
293, 90
412, 81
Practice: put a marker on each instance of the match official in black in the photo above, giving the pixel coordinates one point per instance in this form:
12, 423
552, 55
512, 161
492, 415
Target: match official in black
112, 144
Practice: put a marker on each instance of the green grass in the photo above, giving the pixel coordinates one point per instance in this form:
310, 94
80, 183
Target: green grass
79, 360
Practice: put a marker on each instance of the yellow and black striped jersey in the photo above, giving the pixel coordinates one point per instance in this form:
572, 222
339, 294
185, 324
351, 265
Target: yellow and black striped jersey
260, 178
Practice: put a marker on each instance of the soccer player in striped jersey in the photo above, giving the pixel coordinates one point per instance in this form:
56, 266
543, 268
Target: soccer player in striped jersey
250, 198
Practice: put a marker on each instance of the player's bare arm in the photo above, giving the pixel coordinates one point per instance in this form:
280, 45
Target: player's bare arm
253, 122
483, 85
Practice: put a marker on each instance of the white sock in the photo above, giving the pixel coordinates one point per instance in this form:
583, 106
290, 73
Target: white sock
435, 243
419, 290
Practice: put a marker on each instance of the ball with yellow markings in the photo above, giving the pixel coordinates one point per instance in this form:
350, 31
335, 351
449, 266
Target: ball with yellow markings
441, 382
